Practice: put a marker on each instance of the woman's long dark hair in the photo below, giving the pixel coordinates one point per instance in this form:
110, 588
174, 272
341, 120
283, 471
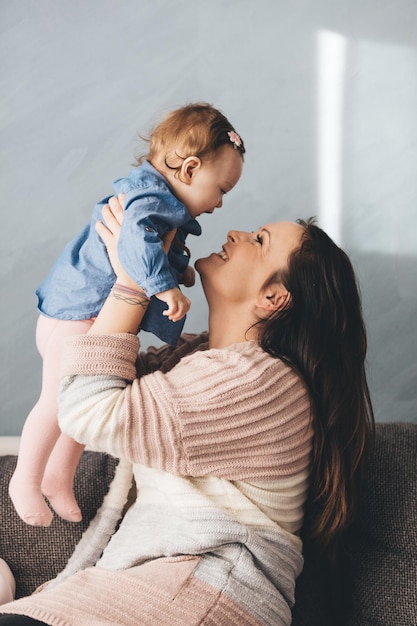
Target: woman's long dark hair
321, 333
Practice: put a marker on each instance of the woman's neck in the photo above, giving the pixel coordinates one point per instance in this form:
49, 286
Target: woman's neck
226, 329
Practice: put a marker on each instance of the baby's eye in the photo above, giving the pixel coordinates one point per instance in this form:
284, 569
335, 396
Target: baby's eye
259, 239
223, 192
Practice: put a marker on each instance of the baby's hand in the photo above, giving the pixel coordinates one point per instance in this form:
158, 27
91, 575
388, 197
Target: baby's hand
178, 304
188, 277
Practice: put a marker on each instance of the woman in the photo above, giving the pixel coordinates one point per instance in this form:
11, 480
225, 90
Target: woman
229, 440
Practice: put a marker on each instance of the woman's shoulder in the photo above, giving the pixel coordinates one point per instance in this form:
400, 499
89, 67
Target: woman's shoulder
245, 359
242, 363
249, 351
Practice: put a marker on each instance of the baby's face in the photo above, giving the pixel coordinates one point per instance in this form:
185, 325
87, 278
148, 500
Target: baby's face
212, 180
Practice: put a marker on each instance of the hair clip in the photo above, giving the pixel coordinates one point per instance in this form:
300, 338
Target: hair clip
235, 139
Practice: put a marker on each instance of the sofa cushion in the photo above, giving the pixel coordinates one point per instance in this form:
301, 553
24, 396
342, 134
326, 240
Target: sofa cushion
379, 556
382, 543
36, 554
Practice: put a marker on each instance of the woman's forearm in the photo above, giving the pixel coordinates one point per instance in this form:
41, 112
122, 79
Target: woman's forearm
122, 312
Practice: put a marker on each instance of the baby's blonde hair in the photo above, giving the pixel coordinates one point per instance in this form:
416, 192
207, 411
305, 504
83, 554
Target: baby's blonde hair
196, 129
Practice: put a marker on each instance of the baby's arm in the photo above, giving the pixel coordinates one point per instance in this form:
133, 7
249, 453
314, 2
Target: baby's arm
178, 304
140, 248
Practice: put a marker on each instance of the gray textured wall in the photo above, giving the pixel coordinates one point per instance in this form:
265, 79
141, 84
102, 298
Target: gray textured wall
324, 93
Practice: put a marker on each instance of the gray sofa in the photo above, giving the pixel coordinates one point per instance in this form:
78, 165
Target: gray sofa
378, 566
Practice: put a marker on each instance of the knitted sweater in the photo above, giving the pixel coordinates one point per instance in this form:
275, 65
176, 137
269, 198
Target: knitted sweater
220, 444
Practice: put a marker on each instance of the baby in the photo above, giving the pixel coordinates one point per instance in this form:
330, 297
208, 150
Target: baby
195, 157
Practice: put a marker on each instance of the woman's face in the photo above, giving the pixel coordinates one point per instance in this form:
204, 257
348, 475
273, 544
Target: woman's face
248, 260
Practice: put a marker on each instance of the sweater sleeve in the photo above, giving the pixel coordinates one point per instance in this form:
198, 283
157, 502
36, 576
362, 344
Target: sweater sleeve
237, 413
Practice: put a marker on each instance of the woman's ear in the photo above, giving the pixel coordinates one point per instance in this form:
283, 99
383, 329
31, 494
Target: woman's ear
274, 297
189, 167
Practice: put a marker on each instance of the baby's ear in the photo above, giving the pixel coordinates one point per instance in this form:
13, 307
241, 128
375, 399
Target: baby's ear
189, 168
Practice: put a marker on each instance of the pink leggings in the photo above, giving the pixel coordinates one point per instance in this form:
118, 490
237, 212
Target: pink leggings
51, 333
39, 444
50, 339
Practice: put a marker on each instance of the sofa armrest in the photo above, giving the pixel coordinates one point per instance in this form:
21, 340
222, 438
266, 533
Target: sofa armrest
9, 445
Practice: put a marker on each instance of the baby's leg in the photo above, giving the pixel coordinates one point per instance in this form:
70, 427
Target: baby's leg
41, 431
57, 483
7, 583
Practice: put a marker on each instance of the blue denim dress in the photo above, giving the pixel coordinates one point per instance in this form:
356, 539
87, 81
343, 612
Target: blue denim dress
81, 278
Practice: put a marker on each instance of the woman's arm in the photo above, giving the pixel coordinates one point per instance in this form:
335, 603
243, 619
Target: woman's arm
236, 414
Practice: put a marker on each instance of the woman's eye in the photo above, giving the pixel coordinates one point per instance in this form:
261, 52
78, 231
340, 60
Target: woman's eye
259, 239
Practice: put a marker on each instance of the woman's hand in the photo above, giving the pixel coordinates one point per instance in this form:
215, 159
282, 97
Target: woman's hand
126, 304
109, 231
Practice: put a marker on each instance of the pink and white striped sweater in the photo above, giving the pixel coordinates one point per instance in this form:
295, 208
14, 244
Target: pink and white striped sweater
220, 443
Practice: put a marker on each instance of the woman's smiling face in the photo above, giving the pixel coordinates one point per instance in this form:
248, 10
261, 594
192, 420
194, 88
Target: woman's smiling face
248, 260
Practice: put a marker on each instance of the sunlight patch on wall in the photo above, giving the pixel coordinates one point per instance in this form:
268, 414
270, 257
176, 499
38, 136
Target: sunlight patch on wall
367, 143
331, 66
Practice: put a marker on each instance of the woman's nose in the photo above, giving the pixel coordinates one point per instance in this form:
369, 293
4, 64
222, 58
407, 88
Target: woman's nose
235, 236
